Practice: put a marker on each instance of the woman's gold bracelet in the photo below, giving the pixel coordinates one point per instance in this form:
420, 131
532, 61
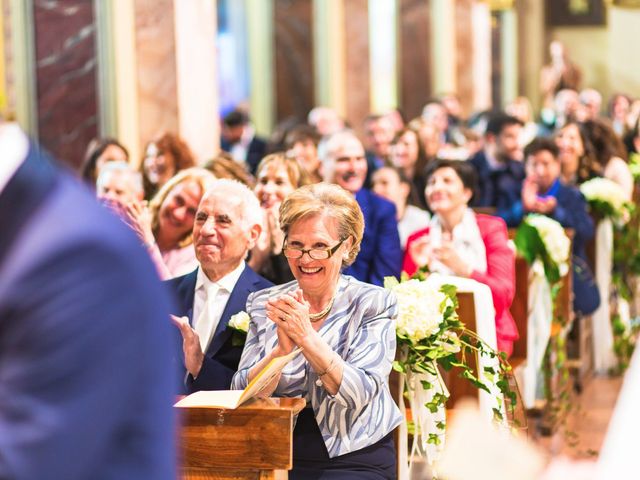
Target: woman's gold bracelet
332, 365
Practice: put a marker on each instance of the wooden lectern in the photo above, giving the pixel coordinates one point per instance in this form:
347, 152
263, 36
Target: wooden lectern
253, 441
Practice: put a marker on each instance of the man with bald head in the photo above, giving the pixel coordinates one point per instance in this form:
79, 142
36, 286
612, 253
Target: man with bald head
344, 164
226, 227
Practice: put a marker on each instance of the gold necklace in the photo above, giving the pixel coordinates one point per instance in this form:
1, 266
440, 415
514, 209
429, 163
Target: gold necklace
315, 317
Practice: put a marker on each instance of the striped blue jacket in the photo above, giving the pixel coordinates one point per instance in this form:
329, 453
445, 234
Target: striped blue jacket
361, 329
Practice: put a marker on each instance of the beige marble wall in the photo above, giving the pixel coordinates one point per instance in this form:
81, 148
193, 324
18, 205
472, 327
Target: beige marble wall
156, 68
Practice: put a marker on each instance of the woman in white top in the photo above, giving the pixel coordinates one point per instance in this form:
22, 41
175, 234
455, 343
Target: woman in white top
392, 184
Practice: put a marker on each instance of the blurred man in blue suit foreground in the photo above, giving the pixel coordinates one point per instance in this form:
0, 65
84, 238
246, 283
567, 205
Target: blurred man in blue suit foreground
85, 375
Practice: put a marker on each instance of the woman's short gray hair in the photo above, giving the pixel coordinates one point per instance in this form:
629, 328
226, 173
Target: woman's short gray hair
326, 199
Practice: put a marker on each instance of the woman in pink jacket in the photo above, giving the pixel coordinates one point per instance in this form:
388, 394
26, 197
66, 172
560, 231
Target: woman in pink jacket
459, 242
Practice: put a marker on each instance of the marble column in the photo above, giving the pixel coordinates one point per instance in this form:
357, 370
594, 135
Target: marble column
65, 59
156, 73
197, 97
414, 52
294, 58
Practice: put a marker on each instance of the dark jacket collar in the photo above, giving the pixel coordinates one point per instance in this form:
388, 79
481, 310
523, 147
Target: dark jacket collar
34, 180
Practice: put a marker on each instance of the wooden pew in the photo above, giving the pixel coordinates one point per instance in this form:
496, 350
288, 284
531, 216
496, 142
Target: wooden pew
253, 441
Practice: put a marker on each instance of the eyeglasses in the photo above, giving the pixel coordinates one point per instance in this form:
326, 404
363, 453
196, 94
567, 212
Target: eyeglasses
314, 253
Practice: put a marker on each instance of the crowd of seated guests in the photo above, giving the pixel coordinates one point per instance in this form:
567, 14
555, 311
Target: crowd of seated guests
387, 174
437, 193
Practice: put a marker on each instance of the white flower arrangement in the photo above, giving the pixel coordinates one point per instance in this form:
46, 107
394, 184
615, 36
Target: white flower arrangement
421, 309
240, 321
555, 240
606, 197
430, 336
604, 190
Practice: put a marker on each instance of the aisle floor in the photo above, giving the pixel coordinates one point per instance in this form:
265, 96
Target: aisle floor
587, 422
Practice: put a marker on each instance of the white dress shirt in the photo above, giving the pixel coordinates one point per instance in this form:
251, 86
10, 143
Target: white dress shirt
14, 146
221, 291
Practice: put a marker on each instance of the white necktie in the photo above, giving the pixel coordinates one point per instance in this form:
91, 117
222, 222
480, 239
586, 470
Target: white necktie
205, 319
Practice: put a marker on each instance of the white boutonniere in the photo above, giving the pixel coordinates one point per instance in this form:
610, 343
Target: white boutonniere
239, 323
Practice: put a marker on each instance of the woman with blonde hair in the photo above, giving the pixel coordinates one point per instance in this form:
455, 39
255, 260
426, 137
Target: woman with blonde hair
276, 177
345, 330
165, 225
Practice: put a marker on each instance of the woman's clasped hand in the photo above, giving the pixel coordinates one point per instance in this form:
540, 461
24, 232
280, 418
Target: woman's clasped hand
290, 313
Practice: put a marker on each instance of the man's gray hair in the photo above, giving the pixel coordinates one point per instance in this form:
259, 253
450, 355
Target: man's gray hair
334, 142
120, 167
251, 211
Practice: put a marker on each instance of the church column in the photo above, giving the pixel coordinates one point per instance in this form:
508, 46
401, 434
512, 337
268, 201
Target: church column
330, 63
531, 48
197, 93
415, 58
164, 78
262, 63
65, 76
19, 63
473, 55
383, 55
358, 78
443, 46
509, 49
294, 57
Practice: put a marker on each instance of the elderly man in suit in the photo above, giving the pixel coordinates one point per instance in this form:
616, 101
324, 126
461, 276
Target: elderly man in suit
380, 256
85, 389
227, 225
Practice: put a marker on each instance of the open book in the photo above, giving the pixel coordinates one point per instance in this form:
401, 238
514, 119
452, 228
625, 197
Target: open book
234, 398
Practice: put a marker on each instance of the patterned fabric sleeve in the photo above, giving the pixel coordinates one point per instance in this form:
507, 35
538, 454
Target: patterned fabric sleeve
370, 354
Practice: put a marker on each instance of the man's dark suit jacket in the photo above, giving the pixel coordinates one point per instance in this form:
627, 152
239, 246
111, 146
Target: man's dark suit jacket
380, 252
256, 151
498, 188
85, 388
222, 357
571, 212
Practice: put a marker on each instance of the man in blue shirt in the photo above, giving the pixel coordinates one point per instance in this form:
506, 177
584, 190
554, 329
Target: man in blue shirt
544, 193
380, 256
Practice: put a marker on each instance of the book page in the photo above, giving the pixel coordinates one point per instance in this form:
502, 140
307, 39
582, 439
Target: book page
212, 399
234, 398
266, 375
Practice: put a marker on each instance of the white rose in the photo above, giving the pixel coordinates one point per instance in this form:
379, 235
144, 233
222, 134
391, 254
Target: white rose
240, 321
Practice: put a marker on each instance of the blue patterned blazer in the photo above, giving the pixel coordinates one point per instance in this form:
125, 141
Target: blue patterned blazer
361, 329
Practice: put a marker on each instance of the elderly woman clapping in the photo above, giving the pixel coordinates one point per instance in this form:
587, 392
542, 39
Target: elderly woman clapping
346, 332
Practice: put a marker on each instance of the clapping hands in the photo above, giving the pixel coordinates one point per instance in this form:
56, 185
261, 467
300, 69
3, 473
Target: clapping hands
424, 252
290, 313
532, 203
